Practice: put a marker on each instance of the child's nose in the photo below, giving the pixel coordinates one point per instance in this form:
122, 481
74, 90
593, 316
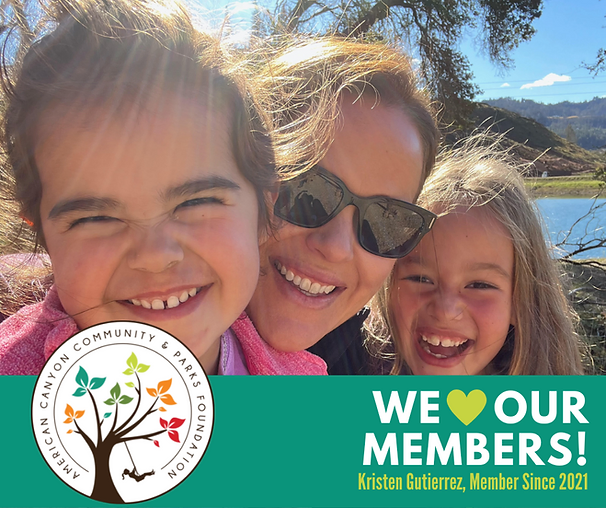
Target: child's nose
154, 250
447, 305
336, 239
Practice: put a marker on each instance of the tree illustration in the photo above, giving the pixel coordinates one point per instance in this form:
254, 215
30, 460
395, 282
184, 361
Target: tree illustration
122, 428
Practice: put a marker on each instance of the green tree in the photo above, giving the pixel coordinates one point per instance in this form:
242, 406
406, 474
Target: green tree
571, 135
434, 28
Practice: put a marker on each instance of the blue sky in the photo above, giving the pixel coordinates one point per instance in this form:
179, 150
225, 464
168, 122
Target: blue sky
569, 32
548, 68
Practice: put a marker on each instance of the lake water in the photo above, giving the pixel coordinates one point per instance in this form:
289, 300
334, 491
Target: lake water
560, 214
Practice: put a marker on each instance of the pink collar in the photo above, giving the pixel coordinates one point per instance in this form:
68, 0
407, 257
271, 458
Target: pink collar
262, 359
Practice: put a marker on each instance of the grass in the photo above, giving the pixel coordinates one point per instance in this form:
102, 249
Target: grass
565, 186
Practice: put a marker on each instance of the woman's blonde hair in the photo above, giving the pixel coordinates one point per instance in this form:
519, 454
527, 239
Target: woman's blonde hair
302, 83
543, 340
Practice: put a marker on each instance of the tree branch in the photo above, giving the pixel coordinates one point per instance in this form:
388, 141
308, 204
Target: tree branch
138, 390
99, 440
145, 436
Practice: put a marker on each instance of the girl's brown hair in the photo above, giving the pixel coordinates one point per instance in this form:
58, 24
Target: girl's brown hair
302, 85
115, 53
543, 340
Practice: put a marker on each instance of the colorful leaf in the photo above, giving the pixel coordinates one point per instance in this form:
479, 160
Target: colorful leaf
162, 409
97, 382
156, 443
69, 411
69, 420
109, 402
82, 377
164, 386
174, 435
128, 372
125, 399
130, 384
163, 423
107, 415
79, 392
132, 361
152, 392
168, 399
142, 368
175, 423
80, 413
115, 391
70, 431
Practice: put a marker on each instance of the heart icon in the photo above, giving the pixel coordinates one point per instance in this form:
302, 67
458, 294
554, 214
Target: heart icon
466, 407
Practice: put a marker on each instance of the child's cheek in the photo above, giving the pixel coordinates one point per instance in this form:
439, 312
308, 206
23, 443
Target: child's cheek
83, 269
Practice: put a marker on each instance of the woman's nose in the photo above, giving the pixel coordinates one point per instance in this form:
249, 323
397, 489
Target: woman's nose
154, 250
335, 240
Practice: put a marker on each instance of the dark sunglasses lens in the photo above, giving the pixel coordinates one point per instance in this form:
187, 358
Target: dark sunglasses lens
308, 201
390, 230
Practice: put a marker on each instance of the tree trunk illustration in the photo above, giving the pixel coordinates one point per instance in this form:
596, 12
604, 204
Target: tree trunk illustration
104, 488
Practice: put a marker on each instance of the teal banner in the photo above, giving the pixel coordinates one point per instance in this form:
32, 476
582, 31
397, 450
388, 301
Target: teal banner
364, 442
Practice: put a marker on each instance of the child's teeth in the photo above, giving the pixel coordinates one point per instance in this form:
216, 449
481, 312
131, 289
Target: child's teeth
157, 304
297, 280
146, 304
283, 270
436, 340
289, 275
329, 289
172, 302
305, 284
192, 292
184, 296
136, 302
432, 339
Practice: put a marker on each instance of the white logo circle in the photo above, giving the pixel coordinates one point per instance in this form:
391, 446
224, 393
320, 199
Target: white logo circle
122, 412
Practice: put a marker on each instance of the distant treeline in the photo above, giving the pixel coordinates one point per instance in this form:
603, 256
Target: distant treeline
587, 119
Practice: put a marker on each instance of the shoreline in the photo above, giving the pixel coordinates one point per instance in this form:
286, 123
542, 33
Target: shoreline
565, 187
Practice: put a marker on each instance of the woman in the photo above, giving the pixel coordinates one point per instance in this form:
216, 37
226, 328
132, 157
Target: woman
353, 127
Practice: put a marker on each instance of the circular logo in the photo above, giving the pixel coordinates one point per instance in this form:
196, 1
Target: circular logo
122, 412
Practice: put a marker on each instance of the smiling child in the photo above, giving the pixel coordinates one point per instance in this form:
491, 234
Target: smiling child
144, 173
480, 294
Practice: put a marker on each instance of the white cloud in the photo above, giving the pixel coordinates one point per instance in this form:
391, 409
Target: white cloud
504, 85
548, 80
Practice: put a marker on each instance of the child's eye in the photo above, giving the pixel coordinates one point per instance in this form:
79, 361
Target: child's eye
91, 220
421, 279
481, 285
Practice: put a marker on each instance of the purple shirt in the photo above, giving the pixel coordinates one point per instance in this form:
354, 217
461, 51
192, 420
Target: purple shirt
231, 358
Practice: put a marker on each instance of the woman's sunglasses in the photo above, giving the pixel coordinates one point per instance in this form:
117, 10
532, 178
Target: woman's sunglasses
387, 227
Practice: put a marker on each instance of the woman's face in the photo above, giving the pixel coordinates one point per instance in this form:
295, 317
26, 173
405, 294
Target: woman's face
376, 151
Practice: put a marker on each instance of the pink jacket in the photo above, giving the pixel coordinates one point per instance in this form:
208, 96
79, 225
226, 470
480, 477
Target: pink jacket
29, 337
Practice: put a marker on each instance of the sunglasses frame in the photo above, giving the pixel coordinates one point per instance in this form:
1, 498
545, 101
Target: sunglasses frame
361, 204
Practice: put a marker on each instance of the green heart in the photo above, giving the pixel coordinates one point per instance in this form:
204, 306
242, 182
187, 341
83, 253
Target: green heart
466, 407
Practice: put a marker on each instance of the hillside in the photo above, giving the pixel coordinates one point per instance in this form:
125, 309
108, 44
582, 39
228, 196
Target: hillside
587, 119
532, 141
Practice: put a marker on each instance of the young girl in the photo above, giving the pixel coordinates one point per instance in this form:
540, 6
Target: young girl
480, 294
143, 172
